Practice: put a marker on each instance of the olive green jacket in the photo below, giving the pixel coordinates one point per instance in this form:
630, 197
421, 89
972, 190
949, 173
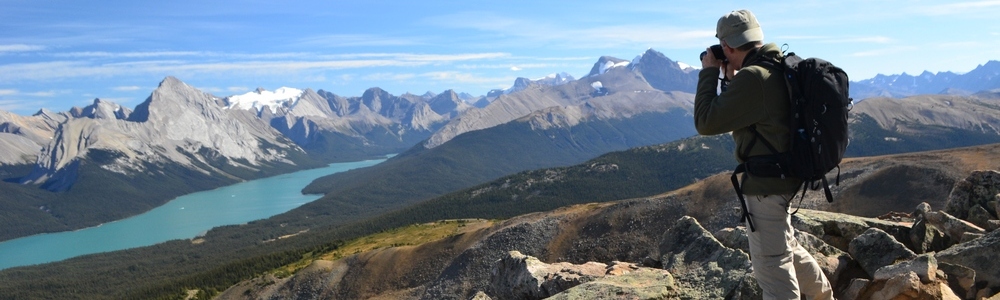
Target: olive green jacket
755, 96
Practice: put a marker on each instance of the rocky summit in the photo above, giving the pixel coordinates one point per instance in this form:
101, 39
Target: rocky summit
664, 247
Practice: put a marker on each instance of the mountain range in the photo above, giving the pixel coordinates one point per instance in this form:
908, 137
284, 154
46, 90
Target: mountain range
618, 105
105, 162
984, 77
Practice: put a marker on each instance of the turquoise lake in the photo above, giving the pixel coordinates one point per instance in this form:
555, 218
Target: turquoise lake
185, 217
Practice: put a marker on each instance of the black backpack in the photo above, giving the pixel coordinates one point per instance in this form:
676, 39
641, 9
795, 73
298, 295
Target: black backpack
819, 105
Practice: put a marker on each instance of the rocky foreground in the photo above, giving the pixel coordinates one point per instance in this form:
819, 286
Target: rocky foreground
671, 247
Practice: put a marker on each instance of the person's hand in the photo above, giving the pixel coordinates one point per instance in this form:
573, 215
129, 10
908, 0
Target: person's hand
709, 60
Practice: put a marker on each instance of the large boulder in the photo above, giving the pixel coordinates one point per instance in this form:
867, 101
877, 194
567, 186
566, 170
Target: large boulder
953, 227
518, 276
980, 189
876, 249
980, 255
926, 237
839, 230
702, 267
912, 279
642, 283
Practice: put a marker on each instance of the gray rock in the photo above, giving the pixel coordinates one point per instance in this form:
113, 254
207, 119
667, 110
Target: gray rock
996, 205
905, 285
853, 291
701, 265
924, 238
839, 229
526, 277
979, 216
925, 266
961, 279
735, 238
921, 209
980, 255
953, 227
968, 236
480, 296
876, 249
980, 188
644, 283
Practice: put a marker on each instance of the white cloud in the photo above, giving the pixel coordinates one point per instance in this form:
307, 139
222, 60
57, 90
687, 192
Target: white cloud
20, 48
70, 69
515, 68
8, 92
388, 77
515, 31
42, 94
459, 77
354, 40
100, 54
22, 105
237, 89
210, 89
127, 88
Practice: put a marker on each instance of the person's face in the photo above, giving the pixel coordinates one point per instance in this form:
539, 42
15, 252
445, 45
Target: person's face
730, 52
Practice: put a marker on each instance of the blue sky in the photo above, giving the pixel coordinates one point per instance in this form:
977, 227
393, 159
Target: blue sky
59, 54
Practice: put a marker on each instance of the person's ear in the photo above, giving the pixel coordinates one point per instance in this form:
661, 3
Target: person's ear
726, 49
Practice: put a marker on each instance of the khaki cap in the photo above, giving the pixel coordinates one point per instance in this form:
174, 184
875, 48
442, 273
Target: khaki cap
738, 28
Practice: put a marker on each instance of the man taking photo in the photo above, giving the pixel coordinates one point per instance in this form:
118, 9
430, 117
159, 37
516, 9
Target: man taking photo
754, 106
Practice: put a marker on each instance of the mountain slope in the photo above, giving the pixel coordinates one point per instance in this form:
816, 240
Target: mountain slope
652, 71
930, 122
22, 137
101, 167
94, 164
550, 137
625, 230
711, 200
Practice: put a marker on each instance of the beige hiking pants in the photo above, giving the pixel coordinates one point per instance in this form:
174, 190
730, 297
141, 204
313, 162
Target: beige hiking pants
782, 267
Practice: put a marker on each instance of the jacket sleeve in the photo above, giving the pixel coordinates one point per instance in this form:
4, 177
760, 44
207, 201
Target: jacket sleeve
741, 105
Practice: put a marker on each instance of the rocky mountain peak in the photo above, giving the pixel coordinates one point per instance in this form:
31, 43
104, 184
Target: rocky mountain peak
177, 123
102, 109
173, 98
664, 74
604, 63
447, 102
48, 114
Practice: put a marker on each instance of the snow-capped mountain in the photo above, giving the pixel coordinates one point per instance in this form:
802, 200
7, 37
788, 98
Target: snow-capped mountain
621, 79
177, 125
260, 99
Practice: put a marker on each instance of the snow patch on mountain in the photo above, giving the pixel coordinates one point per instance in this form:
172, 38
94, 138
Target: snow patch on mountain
610, 65
261, 98
686, 67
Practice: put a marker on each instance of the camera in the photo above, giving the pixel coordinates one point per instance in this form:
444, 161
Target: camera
717, 52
